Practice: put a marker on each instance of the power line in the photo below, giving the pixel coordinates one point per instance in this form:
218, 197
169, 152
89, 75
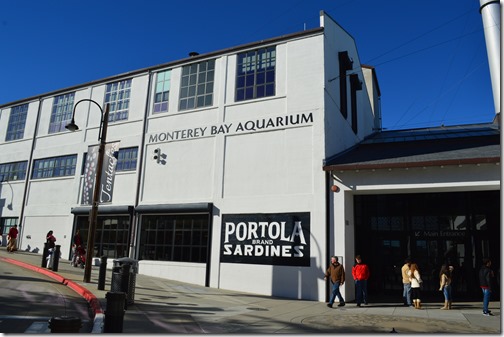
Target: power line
420, 36
427, 48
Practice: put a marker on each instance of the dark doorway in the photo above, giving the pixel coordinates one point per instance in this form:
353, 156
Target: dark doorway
432, 228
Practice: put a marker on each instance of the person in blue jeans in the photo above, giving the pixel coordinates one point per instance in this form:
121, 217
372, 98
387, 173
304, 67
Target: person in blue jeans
336, 273
360, 273
445, 279
486, 276
406, 283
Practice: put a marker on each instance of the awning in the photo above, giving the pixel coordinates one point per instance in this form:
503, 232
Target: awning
203, 207
103, 210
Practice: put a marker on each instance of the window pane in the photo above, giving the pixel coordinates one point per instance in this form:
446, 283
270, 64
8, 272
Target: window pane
118, 99
185, 244
127, 159
254, 65
162, 91
13, 171
17, 121
196, 83
54, 167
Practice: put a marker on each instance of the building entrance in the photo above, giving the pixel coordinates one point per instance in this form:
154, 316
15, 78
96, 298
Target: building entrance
432, 229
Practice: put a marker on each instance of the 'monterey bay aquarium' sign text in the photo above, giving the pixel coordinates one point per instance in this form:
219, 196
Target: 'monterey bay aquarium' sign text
254, 125
273, 239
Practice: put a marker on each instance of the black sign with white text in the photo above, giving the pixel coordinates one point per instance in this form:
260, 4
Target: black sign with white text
272, 239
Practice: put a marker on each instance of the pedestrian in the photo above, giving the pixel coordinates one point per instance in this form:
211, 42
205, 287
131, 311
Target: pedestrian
406, 282
12, 239
50, 239
50, 243
445, 281
486, 279
76, 243
360, 273
416, 282
336, 272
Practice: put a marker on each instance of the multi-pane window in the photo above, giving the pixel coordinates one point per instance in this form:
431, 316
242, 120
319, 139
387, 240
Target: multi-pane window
61, 112
111, 238
197, 83
118, 95
54, 167
17, 122
127, 159
174, 237
13, 171
255, 74
162, 93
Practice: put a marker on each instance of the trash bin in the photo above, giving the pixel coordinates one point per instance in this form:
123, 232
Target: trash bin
114, 315
131, 277
115, 283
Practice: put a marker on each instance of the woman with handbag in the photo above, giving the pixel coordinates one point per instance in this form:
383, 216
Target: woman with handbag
416, 281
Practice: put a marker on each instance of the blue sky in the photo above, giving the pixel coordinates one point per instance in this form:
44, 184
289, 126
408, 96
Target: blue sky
430, 55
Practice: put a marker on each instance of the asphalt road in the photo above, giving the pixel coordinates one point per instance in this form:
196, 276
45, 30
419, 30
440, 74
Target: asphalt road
28, 300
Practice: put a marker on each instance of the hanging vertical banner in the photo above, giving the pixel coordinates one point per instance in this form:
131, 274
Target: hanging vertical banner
108, 173
89, 175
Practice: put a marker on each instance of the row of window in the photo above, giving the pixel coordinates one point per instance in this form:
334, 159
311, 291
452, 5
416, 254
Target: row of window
255, 78
174, 237
182, 238
62, 166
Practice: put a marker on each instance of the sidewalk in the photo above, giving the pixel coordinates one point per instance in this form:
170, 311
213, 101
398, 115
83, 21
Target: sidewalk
165, 306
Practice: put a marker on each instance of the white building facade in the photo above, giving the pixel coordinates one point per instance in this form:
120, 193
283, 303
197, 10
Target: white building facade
220, 172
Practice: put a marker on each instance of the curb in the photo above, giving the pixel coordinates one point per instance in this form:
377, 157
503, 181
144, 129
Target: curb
93, 302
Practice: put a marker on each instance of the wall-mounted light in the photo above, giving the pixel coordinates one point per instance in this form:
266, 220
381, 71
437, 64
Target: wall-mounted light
335, 188
159, 156
156, 154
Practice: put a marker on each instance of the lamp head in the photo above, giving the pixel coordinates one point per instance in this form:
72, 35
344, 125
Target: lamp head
72, 126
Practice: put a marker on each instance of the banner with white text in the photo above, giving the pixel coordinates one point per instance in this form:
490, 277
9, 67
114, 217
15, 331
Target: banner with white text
272, 239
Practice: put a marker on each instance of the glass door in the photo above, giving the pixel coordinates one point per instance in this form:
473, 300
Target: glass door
431, 253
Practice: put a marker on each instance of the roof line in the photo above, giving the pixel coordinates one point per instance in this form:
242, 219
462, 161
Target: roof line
448, 162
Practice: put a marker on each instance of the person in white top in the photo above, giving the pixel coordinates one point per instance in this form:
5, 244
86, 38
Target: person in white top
416, 281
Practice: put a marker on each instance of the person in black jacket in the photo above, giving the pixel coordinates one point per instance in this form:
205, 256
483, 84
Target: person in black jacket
486, 276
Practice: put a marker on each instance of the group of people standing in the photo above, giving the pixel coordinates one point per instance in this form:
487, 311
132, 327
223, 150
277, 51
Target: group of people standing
412, 283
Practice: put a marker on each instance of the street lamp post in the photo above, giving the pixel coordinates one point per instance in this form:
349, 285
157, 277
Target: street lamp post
93, 213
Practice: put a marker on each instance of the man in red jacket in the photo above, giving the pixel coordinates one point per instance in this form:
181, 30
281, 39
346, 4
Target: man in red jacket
13, 233
360, 273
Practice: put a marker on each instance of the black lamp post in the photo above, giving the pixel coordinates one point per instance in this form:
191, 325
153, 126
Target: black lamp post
93, 214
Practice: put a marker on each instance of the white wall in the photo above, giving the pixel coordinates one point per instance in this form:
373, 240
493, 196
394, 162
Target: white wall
428, 179
272, 169
49, 201
193, 273
339, 133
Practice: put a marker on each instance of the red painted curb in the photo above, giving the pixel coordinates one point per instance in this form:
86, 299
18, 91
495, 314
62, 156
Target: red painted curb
93, 302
